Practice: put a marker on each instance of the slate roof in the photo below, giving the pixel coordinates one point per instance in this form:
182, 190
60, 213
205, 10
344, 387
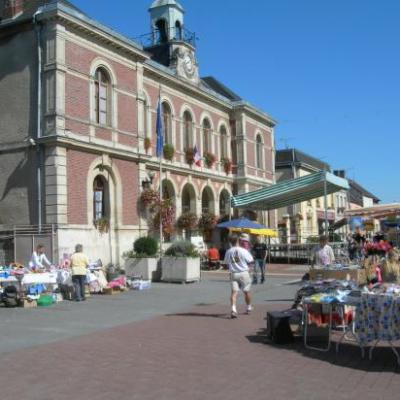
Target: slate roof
287, 157
213, 84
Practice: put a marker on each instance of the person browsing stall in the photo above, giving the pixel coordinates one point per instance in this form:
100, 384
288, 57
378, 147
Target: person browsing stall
238, 259
323, 254
260, 257
79, 264
39, 259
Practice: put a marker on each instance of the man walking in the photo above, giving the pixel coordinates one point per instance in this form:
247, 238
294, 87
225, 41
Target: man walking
238, 259
260, 256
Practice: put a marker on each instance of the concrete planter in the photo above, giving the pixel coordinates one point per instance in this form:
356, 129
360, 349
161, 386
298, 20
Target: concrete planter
179, 269
145, 267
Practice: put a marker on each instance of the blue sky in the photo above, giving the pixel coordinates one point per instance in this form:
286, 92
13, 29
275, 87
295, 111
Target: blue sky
327, 71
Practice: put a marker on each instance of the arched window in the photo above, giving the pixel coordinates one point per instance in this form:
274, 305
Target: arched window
178, 30
168, 191
188, 199
207, 201
223, 142
259, 151
187, 130
99, 198
207, 136
102, 97
224, 205
167, 119
162, 31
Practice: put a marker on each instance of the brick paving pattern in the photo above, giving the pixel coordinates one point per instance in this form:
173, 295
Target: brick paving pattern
200, 354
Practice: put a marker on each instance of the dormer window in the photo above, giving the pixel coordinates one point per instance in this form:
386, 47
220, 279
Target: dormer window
162, 31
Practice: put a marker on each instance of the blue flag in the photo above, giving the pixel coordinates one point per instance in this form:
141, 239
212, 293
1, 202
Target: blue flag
160, 130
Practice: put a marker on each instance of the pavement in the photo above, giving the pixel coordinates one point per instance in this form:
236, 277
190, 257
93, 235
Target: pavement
177, 342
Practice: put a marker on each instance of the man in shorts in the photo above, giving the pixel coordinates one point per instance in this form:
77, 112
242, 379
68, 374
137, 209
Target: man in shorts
238, 259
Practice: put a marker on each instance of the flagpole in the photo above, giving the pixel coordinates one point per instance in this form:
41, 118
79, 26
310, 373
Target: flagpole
161, 192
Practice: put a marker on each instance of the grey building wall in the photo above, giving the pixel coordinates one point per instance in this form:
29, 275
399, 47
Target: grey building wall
18, 121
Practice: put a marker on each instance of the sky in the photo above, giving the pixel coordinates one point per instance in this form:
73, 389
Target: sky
327, 71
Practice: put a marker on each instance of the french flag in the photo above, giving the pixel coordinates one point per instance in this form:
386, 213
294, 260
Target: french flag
196, 156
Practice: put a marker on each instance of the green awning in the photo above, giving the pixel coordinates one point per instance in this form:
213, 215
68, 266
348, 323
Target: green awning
291, 192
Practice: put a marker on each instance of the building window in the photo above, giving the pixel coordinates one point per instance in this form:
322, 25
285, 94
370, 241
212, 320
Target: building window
102, 97
224, 203
207, 200
167, 119
99, 198
259, 151
162, 31
178, 30
188, 199
223, 142
187, 130
207, 136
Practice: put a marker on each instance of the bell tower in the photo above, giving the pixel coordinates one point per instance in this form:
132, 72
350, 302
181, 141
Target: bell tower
170, 43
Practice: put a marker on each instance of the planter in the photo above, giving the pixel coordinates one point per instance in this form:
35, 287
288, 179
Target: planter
147, 268
179, 269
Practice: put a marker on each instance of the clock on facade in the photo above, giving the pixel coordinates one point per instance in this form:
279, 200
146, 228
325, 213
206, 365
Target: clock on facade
188, 64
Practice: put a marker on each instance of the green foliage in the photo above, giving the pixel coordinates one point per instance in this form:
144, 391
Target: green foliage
182, 249
146, 246
169, 152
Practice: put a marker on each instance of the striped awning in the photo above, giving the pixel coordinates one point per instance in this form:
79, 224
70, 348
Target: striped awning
291, 192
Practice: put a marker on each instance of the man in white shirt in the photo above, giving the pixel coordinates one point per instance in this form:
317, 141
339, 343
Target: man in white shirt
238, 259
323, 253
39, 259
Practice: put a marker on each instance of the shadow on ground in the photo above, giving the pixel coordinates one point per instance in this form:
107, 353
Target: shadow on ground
349, 355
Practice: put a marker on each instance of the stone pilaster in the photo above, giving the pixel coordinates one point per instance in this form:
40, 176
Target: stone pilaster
55, 186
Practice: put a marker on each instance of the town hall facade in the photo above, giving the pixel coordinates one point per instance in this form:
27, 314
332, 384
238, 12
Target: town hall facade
78, 105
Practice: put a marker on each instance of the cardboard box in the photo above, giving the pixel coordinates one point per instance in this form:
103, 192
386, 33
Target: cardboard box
110, 291
358, 275
24, 303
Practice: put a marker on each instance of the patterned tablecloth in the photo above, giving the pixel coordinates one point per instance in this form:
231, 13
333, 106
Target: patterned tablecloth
378, 318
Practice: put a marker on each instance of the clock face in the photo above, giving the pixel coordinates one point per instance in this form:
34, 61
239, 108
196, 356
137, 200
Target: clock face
188, 63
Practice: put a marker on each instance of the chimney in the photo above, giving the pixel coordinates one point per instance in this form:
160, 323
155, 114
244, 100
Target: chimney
11, 8
340, 173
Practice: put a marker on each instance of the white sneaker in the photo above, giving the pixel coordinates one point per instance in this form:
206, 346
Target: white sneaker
249, 310
234, 314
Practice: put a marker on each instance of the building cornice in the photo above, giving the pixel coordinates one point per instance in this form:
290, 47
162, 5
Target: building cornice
93, 28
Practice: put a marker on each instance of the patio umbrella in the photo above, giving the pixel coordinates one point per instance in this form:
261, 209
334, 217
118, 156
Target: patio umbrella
240, 223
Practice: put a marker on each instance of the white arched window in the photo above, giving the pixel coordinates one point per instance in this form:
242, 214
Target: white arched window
223, 142
102, 103
167, 119
187, 130
259, 152
206, 131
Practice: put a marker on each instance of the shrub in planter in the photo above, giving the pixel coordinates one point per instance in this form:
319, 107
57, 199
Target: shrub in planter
169, 152
146, 246
149, 197
182, 249
187, 221
102, 224
209, 159
189, 156
227, 164
147, 144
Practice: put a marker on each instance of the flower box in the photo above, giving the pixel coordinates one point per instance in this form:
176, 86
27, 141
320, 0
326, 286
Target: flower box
147, 268
180, 269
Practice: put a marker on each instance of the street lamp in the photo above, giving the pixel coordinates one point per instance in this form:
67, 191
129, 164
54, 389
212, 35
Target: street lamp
146, 183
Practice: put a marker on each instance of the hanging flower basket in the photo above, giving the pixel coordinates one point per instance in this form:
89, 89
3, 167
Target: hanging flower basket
189, 156
167, 209
169, 152
209, 159
207, 222
102, 224
149, 197
147, 144
187, 221
227, 164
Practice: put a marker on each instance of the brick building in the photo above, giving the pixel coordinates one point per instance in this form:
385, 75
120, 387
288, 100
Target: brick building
77, 114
